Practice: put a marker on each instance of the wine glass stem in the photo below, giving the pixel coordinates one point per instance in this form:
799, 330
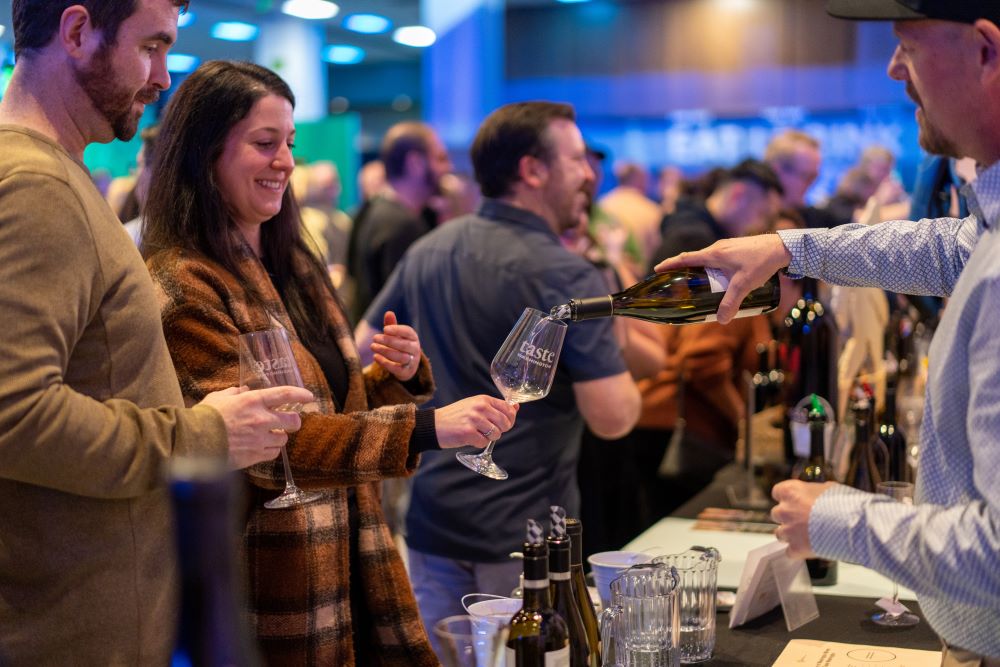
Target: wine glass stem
289, 482
488, 450
895, 593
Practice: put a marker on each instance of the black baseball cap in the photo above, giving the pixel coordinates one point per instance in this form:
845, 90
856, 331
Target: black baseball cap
960, 11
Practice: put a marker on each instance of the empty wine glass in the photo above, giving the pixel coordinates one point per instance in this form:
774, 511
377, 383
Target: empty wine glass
522, 370
266, 361
896, 616
471, 641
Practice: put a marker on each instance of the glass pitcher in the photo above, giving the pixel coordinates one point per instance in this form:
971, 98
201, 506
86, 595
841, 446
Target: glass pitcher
698, 569
641, 628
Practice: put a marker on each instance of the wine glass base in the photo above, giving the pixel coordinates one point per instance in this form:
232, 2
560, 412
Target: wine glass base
482, 464
292, 497
904, 620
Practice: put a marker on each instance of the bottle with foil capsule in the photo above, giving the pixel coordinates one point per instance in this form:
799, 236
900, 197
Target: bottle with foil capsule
822, 572
561, 588
681, 296
538, 634
575, 530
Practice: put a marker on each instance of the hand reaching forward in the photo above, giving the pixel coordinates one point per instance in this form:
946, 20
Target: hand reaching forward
747, 262
256, 427
473, 421
795, 501
397, 348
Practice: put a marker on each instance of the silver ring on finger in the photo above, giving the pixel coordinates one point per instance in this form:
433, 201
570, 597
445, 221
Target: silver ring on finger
488, 434
409, 362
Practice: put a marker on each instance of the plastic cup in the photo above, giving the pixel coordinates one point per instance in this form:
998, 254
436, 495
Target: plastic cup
608, 565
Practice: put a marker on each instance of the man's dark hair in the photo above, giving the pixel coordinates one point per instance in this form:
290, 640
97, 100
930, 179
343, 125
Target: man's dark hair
185, 208
507, 135
756, 172
400, 141
37, 21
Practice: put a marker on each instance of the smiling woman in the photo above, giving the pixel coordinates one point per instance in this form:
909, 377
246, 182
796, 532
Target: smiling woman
224, 244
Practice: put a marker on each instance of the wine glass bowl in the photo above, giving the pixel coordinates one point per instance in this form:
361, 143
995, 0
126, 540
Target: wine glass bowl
266, 360
523, 370
896, 616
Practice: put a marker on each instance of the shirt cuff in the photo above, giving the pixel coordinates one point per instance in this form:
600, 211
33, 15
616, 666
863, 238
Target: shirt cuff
794, 240
832, 520
424, 435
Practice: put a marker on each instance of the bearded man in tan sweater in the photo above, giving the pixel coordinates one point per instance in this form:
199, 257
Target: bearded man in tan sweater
90, 408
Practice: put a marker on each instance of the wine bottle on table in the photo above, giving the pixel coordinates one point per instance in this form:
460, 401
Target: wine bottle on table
212, 630
822, 572
561, 588
538, 634
682, 296
869, 456
580, 591
893, 437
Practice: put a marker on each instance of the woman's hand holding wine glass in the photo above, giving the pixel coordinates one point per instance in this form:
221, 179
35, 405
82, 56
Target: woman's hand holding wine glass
473, 421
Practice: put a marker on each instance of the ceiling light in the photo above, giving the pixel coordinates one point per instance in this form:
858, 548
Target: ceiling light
572, 1
310, 9
414, 35
181, 62
235, 31
343, 54
2, 29
185, 19
370, 24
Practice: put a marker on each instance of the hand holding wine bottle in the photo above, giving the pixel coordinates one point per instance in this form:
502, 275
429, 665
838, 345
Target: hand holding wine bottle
747, 262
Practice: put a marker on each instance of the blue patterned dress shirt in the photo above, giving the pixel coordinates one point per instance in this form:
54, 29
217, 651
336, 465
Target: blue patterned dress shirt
946, 547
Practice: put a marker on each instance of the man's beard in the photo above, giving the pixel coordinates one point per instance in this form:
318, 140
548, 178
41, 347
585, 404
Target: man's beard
931, 139
112, 100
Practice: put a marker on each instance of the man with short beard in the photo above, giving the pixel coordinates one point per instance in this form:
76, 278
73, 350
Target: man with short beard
944, 547
90, 408
462, 287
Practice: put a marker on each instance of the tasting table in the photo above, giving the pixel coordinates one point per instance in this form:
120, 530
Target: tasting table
844, 608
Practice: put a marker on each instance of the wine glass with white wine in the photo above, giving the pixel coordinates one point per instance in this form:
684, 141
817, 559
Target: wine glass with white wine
523, 370
266, 361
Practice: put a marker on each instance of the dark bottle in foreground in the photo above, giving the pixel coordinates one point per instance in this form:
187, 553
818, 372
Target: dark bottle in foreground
822, 572
561, 588
681, 296
893, 437
575, 530
212, 631
538, 635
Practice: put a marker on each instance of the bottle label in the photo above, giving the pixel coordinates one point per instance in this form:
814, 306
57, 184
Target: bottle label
558, 658
717, 280
748, 312
535, 583
558, 576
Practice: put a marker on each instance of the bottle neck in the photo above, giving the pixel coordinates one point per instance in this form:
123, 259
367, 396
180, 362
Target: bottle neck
889, 416
535, 586
559, 556
591, 308
575, 531
817, 442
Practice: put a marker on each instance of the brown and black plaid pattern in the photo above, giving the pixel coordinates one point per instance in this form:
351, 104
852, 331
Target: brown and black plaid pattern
297, 559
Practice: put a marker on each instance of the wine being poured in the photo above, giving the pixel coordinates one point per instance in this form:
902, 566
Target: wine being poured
681, 296
523, 370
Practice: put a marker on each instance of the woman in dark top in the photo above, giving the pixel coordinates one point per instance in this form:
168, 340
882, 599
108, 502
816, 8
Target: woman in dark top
223, 244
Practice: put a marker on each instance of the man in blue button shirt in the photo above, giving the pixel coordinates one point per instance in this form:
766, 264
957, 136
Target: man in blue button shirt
947, 546
462, 287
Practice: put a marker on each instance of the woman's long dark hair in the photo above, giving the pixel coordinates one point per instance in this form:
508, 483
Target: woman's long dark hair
185, 209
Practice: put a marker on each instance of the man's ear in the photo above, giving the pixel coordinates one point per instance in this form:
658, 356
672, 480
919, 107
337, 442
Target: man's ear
76, 32
988, 45
532, 171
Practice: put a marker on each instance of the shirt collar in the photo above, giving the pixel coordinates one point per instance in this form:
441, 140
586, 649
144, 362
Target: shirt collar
983, 195
499, 210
